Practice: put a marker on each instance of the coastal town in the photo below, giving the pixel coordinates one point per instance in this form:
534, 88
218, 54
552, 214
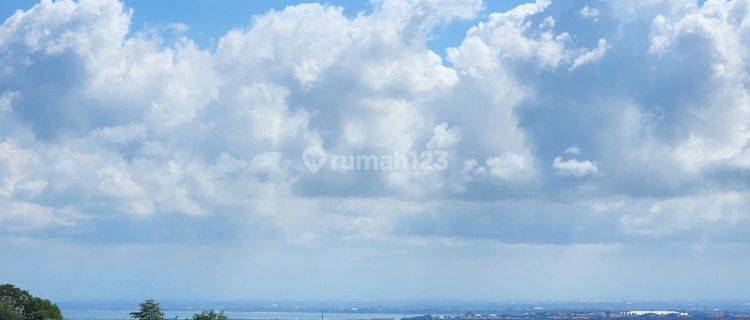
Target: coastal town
590, 315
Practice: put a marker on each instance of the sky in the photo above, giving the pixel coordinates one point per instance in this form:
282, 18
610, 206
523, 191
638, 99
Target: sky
238, 150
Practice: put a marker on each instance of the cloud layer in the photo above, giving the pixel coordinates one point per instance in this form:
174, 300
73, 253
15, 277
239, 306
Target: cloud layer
601, 128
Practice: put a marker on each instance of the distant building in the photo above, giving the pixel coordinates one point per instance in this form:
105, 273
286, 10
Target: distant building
637, 313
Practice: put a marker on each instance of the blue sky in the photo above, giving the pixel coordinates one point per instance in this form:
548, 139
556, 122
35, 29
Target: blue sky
209, 20
566, 150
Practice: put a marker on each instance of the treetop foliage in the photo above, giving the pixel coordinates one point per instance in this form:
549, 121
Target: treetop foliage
150, 310
19, 304
210, 315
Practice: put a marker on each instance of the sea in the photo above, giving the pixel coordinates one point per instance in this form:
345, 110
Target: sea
89, 314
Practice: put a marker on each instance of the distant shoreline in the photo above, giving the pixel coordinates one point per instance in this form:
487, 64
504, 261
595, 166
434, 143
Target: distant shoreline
98, 314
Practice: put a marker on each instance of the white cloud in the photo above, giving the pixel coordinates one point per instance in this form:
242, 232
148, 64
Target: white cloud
716, 35
109, 120
507, 38
120, 134
573, 150
300, 41
510, 166
590, 56
574, 168
426, 14
589, 13
14, 165
686, 214
443, 137
125, 135
6, 102
264, 108
117, 183
143, 120
25, 216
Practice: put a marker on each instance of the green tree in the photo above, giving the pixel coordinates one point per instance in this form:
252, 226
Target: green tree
41, 309
15, 301
210, 315
150, 310
14, 296
9, 312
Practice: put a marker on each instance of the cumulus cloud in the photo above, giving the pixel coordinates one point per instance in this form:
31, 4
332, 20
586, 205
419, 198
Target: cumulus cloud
590, 56
557, 132
589, 13
574, 167
510, 166
121, 122
716, 35
689, 214
112, 123
507, 38
21, 217
444, 137
14, 165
